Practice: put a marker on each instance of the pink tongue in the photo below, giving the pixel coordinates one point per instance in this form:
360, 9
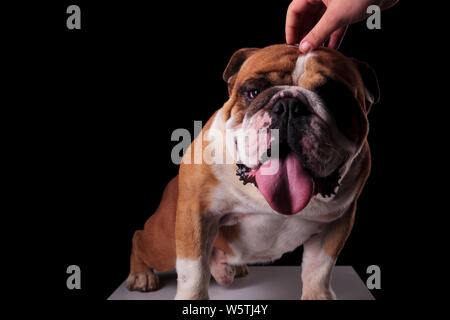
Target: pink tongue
289, 189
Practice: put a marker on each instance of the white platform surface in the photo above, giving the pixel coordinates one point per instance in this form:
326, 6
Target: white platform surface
262, 283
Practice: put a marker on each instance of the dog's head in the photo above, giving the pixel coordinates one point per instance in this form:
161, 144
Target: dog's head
297, 120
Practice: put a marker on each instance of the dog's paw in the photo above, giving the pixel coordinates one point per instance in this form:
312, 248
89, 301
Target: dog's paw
319, 295
143, 281
241, 271
223, 273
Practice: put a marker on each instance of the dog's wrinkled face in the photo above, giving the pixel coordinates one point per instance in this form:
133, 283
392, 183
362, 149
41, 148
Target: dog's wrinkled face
311, 109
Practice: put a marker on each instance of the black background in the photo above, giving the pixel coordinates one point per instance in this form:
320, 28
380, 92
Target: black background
107, 98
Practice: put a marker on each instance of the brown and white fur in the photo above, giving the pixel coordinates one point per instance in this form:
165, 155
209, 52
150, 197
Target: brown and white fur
210, 223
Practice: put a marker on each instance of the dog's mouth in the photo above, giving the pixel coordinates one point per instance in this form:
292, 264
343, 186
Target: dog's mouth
288, 189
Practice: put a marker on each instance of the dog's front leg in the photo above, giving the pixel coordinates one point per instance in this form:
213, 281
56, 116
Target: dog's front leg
195, 235
320, 254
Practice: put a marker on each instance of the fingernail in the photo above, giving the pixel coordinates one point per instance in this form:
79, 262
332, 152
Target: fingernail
305, 47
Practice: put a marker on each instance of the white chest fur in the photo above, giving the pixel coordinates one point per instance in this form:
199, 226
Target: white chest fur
265, 237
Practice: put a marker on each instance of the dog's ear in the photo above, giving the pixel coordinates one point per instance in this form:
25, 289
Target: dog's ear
235, 63
369, 78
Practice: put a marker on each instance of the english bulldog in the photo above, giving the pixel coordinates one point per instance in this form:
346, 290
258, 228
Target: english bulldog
297, 185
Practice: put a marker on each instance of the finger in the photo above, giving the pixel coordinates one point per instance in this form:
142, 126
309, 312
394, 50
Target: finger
321, 31
294, 20
293, 31
336, 37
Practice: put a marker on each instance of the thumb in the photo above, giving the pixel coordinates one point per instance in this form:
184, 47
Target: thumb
321, 31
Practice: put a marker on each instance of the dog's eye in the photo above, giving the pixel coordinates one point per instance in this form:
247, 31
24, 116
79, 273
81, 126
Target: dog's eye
252, 94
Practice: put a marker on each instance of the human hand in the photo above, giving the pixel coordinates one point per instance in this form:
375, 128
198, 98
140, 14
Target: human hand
315, 21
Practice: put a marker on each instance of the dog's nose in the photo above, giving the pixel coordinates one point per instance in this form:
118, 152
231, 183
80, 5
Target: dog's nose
289, 108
